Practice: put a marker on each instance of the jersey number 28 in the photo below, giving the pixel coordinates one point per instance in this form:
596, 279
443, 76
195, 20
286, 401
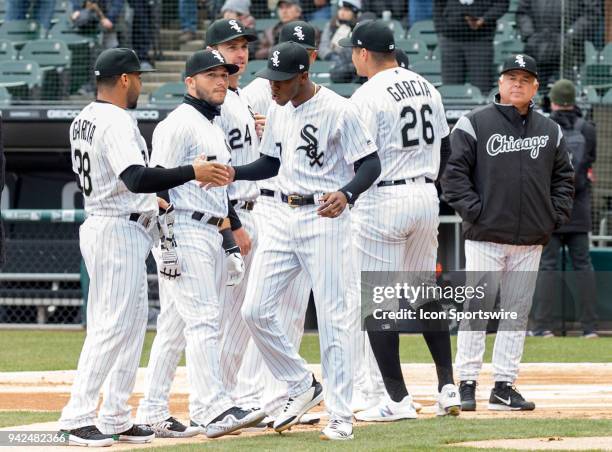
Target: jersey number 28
84, 167
427, 126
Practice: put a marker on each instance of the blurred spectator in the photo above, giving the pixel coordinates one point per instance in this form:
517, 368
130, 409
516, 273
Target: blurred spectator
93, 15
419, 10
342, 69
398, 8
288, 11
188, 16
581, 140
42, 10
539, 22
466, 30
142, 30
238, 9
316, 9
339, 27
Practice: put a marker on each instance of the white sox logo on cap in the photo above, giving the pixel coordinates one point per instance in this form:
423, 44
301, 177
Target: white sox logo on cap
235, 26
520, 61
274, 59
299, 33
217, 55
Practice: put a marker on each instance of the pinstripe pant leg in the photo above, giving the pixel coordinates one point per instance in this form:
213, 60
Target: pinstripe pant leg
481, 258
114, 313
166, 351
517, 288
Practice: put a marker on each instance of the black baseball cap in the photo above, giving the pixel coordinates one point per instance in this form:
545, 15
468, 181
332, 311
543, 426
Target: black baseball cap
520, 62
290, 2
286, 61
402, 58
298, 31
372, 35
203, 60
118, 61
224, 30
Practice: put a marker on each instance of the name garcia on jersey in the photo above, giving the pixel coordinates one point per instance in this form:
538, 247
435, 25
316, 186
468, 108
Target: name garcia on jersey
408, 88
82, 129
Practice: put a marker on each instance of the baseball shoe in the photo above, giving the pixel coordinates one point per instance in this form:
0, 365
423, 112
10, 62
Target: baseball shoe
541, 333
232, 420
589, 334
172, 428
361, 402
137, 434
87, 436
388, 411
337, 430
505, 397
467, 393
449, 401
310, 418
297, 406
202, 429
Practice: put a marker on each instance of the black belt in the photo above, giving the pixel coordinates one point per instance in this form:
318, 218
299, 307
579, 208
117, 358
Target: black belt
215, 221
246, 205
388, 183
297, 200
136, 217
266, 192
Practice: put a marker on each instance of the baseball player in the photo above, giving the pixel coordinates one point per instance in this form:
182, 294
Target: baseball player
510, 179
396, 221
311, 140
194, 308
110, 159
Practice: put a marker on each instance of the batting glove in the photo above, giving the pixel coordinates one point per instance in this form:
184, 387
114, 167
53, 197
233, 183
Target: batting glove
235, 268
170, 267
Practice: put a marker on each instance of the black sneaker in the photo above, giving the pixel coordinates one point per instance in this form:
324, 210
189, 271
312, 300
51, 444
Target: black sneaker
505, 397
172, 428
87, 436
137, 434
467, 392
232, 420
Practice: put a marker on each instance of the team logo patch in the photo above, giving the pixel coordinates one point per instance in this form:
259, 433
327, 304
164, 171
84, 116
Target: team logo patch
274, 59
311, 148
297, 31
498, 144
218, 56
234, 25
519, 60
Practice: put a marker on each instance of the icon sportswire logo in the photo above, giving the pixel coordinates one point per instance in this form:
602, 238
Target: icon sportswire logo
274, 59
499, 143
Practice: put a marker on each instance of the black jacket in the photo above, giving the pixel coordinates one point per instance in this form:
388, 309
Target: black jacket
516, 197
449, 18
580, 219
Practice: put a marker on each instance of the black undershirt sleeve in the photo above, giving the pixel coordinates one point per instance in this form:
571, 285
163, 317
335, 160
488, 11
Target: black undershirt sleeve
367, 170
140, 179
445, 152
233, 216
264, 167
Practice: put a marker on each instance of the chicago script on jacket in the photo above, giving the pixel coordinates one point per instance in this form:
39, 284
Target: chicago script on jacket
498, 143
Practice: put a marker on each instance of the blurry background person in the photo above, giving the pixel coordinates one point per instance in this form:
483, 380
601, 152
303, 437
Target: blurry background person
92, 16
42, 11
339, 27
238, 9
288, 11
581, 139
188, 16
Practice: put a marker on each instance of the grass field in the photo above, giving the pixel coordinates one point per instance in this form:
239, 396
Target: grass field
59, 350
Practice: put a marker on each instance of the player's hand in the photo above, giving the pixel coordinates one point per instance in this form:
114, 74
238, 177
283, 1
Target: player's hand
243, 241
235, 269
162, 203
333, 204
170, 267
210, 173
260, 123
106, 23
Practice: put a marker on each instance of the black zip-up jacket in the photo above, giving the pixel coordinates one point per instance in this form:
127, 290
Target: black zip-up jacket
508, 177
449, 18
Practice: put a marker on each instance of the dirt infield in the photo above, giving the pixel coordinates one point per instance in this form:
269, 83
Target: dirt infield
559, 391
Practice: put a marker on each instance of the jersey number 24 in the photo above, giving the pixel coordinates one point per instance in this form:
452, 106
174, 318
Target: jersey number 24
412, 119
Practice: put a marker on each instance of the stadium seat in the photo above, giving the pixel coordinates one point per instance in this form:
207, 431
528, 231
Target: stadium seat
8, 51
591, 55
169, 94
605, 56
20, 31
5, 97
344, 89
319, 72
607, 98
506, 26
513, 7
460, 94
503, 49
246, 78
425, 31
65, 31
597, 74
264, 24
415, 49
430, 69
589, 94
398, 29
23, 78
436, 54
53, 57
255, 65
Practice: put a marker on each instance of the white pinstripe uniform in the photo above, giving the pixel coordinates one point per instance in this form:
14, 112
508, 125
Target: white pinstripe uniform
317, 143
192, 307
294, 301
105, 140
396, 226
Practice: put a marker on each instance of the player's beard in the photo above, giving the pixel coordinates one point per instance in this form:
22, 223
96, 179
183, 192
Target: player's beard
203, 95
132, 100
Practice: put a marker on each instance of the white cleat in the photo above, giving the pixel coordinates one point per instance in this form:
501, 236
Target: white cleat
337, 430
233, 420
296, 407
449, 401
173, 428
388, 411
361, 402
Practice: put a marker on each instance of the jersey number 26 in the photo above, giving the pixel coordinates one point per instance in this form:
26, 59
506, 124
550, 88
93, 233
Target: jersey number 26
84, 167
427, 127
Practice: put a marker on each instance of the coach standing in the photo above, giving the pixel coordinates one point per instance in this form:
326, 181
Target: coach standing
510, 179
